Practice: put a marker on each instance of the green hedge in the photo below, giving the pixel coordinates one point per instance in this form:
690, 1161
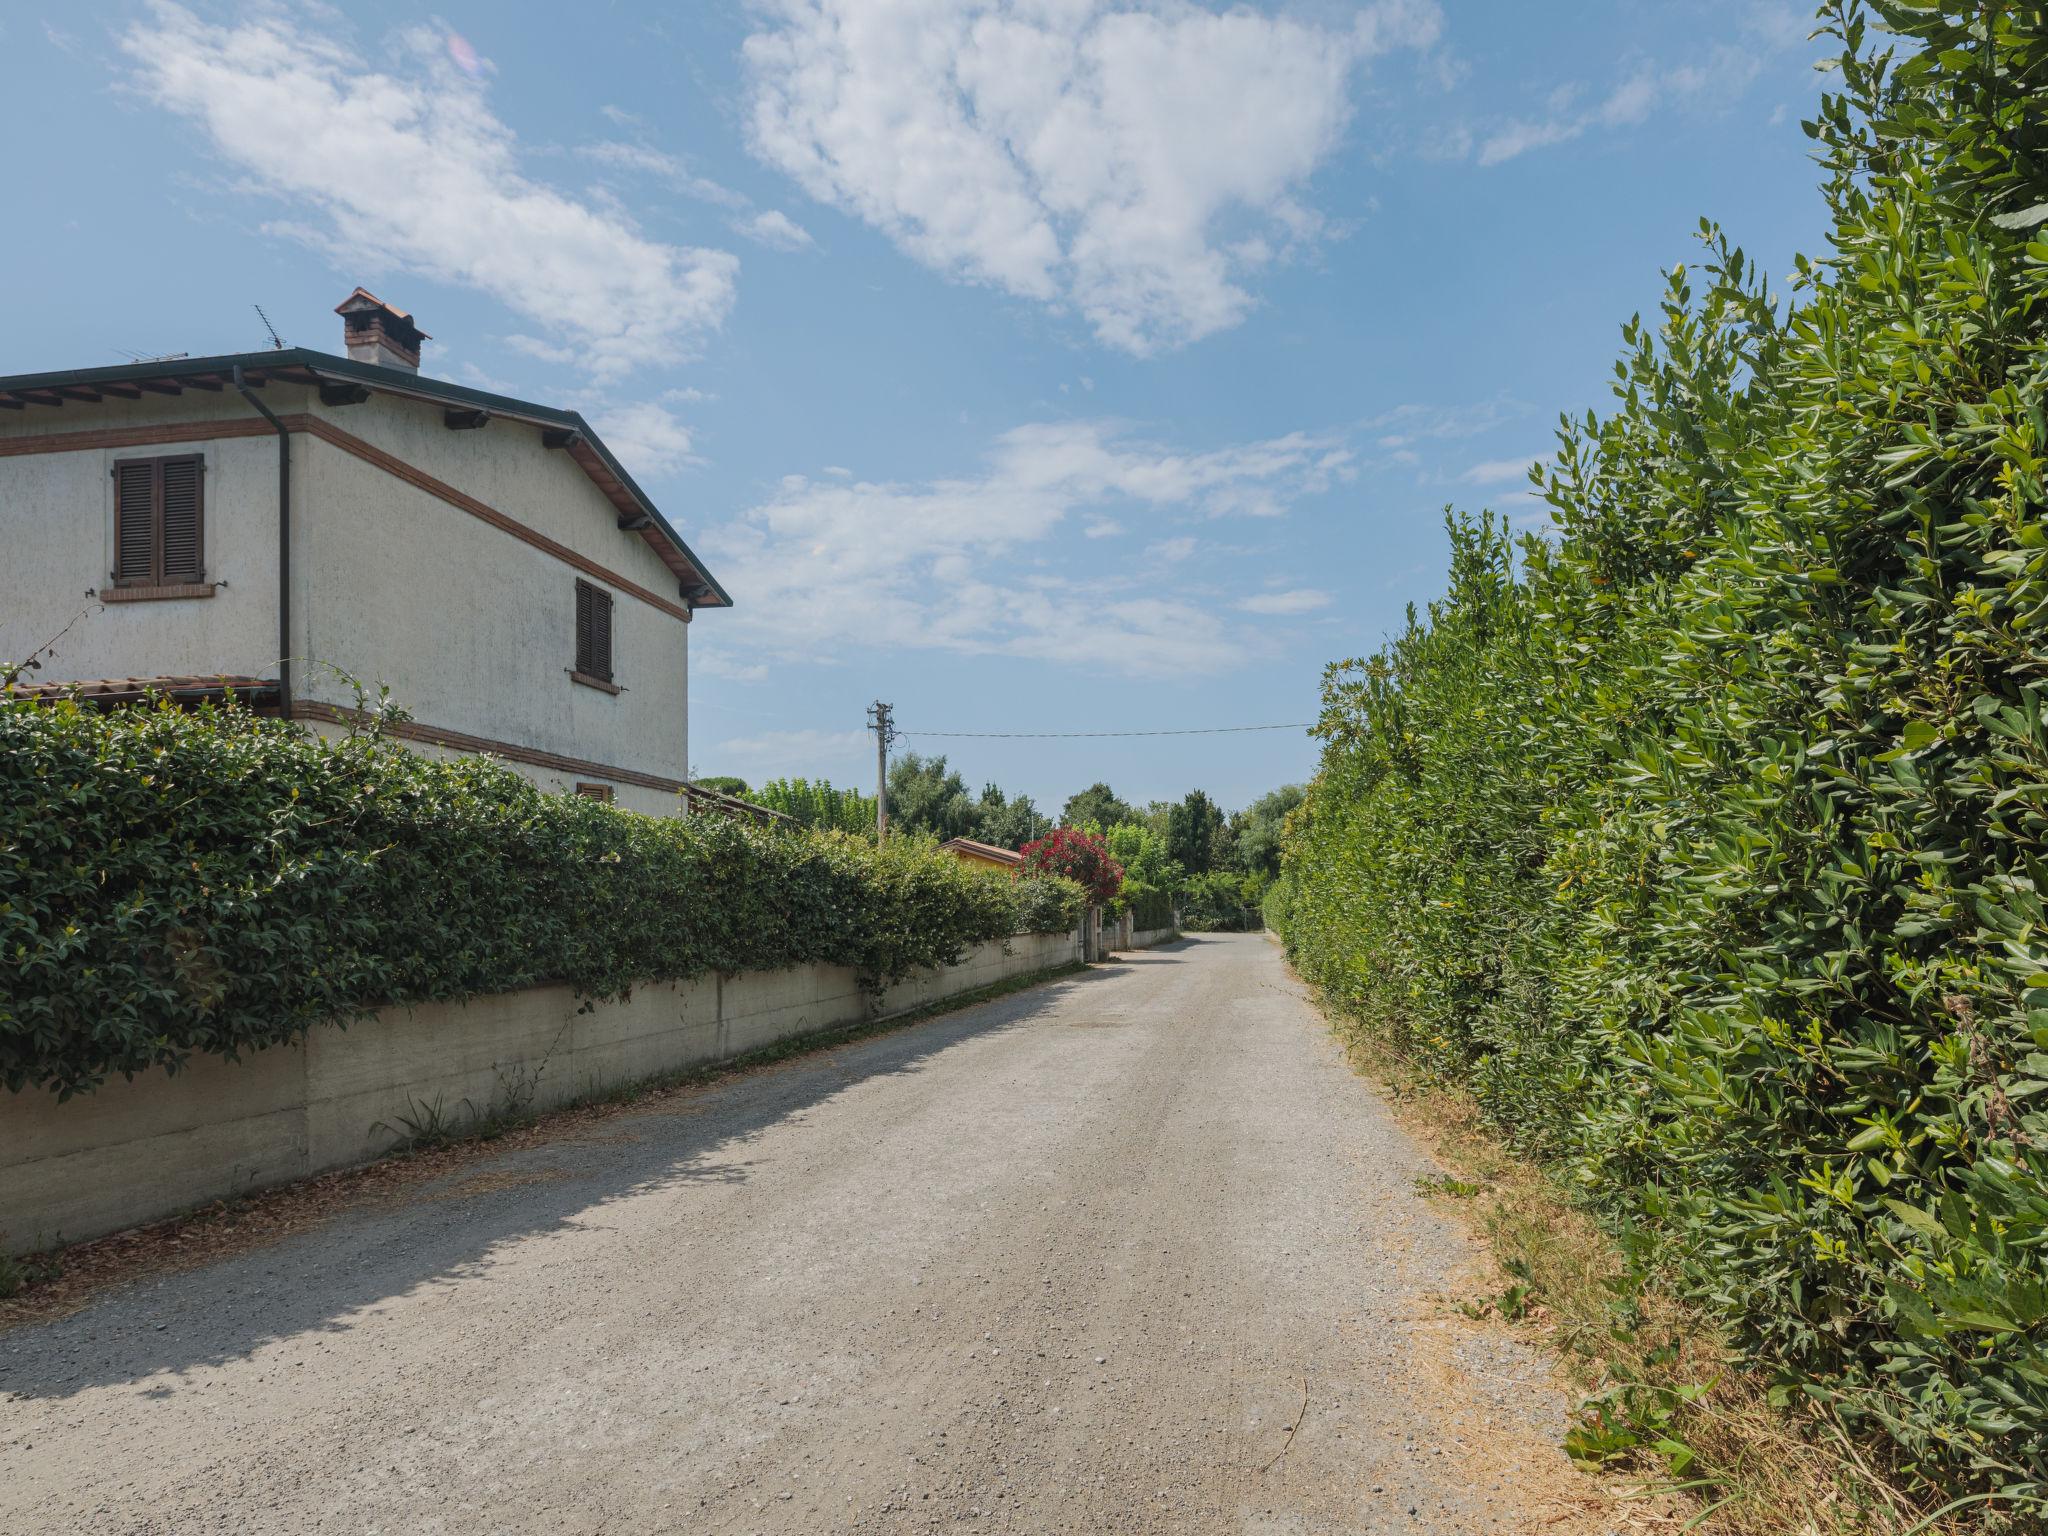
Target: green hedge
1150, 909
1707, 841
1049, 904
209, 882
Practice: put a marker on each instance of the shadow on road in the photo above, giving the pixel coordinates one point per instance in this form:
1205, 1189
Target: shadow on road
333, 1277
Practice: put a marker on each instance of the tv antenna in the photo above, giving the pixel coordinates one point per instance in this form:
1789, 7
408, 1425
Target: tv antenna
151, 357
276, 341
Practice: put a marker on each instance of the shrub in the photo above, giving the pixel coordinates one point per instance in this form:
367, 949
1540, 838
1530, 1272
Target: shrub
1078, 856
1151, 909
1048, 904
1707, 843
173, 883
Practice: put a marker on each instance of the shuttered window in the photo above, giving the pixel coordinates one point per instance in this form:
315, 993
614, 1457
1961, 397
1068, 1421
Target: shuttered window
159, 521
595, 792
593, 631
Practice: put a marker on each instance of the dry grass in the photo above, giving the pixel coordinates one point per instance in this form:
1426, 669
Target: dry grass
1755, 1469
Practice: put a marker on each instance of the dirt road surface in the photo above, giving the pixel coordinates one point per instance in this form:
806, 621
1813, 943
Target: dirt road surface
1070, 1261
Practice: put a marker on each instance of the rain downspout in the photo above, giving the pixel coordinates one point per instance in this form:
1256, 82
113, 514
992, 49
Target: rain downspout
284, 546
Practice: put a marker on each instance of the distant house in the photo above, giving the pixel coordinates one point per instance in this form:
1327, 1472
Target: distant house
284, 521
971, 852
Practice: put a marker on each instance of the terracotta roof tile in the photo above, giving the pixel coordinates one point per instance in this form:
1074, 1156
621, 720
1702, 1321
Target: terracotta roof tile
111, 690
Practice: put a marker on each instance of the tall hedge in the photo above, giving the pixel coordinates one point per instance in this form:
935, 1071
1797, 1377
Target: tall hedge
210, 882
1704, 839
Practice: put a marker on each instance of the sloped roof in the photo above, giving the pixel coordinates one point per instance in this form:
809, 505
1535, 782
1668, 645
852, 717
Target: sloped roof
302, 365
989, 851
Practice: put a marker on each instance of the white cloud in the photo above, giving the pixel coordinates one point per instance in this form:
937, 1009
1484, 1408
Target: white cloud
1715, 76
1102, 528
776, 229
413, 172
1137, 161
665, 167
1301, 600
964, 564
1500, 471
646, 438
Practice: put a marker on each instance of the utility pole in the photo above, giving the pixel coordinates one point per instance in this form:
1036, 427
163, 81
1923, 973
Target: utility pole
885, 732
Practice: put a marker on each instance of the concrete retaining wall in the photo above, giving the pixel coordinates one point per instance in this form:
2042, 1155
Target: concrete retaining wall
1145, 938
136, 1151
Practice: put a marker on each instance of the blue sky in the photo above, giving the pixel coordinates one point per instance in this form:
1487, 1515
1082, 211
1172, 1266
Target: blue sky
1036, 365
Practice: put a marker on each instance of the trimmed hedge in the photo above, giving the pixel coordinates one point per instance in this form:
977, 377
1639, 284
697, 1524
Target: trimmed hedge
210, 882
1707, 842
1049, 903
1151, 909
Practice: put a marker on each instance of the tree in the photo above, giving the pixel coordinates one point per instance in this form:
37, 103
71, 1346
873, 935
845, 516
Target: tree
1194, 830
1009, 823
1142, 853
725, 784
1081, 857
819, 805
1096, 806
926, 796
1255, 831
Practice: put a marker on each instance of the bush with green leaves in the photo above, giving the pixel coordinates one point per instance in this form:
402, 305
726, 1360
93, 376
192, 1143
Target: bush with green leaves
1707, 841
210, 882
1049, 904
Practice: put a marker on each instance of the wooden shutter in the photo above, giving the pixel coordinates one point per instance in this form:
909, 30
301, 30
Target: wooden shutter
159, 521
593, 631
595, 792
179, 494
135, 523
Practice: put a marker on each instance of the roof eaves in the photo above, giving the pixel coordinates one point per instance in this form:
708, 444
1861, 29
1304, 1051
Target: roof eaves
390, 381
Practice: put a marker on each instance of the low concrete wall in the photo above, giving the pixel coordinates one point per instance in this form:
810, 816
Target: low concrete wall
1145, 938
138, 1150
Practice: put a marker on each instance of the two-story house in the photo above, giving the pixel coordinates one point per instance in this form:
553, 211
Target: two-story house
283, 522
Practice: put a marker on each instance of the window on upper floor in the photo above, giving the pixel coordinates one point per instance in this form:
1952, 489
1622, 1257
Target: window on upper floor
593, 634
159, 521
595, 792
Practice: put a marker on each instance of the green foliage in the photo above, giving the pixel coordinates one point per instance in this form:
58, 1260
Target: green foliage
1142, 853
1150, 909
1096, 807
173, 883
1256, 831
1048, 903
1705, 843
819, 806
1221, 901
925, 796
1008, 823
726, 784
1197, 834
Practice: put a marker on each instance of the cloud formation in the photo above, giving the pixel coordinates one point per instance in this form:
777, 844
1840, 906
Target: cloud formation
1137, 161
969, 564
413, 172
1301, 600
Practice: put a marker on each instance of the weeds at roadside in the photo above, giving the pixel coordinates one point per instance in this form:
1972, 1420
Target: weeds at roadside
1662, 1399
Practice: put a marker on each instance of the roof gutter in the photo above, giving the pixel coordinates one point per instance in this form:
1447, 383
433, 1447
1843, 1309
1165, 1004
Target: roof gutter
284, 545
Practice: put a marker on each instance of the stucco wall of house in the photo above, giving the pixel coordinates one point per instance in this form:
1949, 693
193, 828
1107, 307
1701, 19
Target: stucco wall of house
473, 628
57, 531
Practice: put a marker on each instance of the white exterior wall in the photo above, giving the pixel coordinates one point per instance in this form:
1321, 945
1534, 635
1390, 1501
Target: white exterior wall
475, 630
57, 546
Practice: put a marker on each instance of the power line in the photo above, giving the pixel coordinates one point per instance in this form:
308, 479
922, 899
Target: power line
1206, 730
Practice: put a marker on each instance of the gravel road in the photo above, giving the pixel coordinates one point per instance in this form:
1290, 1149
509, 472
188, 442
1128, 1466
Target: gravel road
1071, 1261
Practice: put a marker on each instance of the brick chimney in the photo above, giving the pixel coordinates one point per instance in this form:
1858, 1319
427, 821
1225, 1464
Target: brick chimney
377, 333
